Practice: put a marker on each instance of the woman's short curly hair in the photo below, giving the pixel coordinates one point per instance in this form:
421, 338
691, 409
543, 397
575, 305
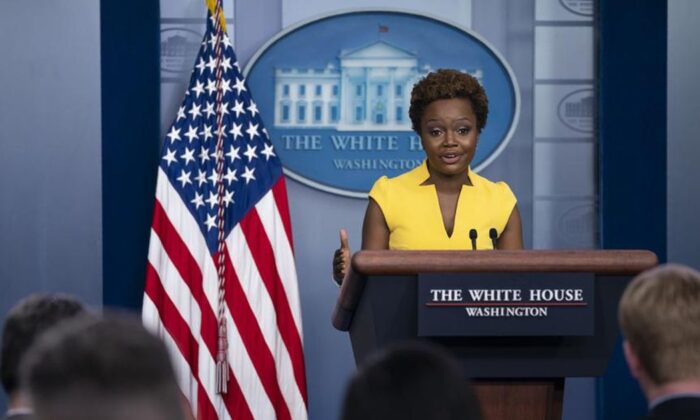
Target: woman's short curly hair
448, 84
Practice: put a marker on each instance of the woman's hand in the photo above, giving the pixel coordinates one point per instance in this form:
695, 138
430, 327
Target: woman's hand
341, 259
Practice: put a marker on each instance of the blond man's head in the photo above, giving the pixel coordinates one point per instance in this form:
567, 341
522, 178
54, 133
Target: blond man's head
660, 318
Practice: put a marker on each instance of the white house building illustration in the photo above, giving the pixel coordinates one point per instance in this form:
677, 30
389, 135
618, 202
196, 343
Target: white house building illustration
370, 91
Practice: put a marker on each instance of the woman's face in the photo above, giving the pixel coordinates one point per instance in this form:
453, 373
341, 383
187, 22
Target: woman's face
449, 134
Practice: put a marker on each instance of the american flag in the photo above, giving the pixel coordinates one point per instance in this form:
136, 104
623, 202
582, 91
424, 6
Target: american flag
221, 282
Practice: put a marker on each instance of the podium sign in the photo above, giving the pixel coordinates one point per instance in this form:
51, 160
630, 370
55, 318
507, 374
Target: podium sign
505, 304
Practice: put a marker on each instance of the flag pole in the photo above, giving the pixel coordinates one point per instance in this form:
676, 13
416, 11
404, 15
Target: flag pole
222, 341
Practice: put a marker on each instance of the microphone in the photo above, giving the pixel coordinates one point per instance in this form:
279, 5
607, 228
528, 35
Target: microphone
472, 236
493, 234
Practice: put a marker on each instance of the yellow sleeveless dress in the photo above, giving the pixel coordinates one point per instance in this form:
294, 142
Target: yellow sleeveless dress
412, 211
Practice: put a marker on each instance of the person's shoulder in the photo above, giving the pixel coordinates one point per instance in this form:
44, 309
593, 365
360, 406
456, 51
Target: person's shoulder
408, 178
486, 184
395, 189
380, 185
684, 407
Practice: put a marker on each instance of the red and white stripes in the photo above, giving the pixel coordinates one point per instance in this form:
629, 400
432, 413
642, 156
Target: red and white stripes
261, 308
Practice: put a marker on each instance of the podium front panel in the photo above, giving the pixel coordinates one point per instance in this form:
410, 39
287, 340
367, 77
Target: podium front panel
387, 313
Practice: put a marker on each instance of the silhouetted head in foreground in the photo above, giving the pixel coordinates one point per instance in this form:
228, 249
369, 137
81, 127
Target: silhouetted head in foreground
659, 314
25, 322
101, 369
410, 381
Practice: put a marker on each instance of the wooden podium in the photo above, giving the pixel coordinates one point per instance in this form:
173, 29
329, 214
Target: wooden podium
516, 376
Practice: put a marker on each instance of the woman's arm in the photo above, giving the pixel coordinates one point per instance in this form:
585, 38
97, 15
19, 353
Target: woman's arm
512, 236
375, 232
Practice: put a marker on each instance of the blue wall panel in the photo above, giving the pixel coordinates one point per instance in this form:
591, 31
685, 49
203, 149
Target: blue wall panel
632, 156
130, 139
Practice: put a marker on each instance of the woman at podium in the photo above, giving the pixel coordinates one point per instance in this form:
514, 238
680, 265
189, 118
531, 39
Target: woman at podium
441, 204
